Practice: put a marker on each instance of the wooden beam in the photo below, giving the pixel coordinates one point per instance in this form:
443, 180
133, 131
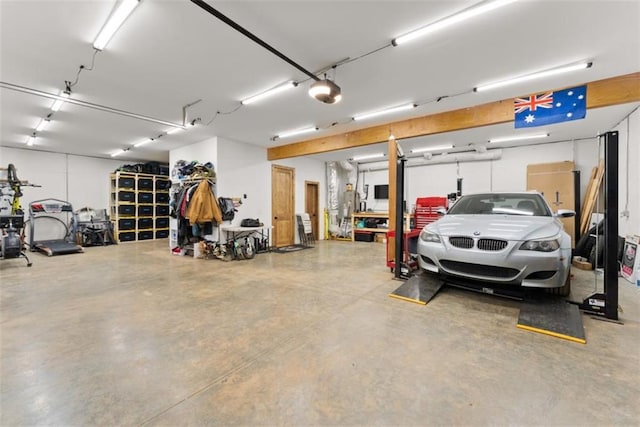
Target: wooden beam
601, 93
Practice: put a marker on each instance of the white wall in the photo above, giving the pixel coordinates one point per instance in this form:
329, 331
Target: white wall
243, 169
88, 181
629, 175
203, 152
509, 173
82, 181
373, 178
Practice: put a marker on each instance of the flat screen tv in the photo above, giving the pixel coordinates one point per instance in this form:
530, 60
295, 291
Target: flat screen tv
381, 191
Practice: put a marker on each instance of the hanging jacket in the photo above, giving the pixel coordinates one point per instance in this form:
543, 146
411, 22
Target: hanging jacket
203, 206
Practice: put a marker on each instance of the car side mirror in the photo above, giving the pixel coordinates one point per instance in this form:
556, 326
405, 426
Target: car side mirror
441, 211
565, 213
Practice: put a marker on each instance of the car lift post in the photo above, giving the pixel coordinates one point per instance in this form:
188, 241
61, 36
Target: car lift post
400, 220
606, 304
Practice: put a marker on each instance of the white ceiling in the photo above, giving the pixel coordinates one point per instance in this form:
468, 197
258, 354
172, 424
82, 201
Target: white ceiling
170, 53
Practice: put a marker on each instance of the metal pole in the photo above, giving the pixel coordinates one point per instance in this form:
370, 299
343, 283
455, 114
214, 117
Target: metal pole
399, 217
611, 225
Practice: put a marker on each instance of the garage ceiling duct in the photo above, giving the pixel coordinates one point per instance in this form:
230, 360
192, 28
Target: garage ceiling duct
429, 159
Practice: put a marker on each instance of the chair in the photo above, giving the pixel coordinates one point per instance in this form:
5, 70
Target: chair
305, 230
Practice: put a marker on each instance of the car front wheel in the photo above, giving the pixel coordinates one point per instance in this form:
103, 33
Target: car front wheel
564, 290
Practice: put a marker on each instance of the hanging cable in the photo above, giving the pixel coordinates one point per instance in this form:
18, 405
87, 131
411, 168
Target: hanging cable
626, 199
82, 68
223, 113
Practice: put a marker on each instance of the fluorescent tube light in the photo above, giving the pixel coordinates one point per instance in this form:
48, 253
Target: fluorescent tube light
141, 143
58, 102
114, 22
470, 12
31, 140
268, 93
43, 123
434, 148
518, 137
541, 74
368, 156
117, 153
296, 132
383, 112
173, 130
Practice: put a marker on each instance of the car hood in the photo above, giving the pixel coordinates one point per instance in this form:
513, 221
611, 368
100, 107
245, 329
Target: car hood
509, 227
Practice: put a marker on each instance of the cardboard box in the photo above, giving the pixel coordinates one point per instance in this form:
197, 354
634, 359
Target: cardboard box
581, 263
364, 236
630, 260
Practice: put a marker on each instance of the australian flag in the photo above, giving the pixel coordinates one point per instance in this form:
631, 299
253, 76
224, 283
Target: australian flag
551, 107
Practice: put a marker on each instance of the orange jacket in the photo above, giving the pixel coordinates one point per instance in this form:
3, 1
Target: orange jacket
203, 206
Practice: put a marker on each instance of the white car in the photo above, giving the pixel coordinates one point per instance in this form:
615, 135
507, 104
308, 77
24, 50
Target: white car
506, 238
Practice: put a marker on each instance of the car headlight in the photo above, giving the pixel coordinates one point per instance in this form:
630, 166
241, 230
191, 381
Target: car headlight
429, 237
541, 245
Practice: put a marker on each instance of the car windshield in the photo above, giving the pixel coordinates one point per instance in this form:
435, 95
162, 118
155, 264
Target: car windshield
501, 204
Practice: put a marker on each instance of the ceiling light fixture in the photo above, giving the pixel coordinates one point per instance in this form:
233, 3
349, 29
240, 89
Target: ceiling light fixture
141, 143
296, 132
383, 112
434, 148
59, 101
270, 92
470, 12
326, 91
533, 76
43, 123
117, 153
518, 137
31, 139
114, 22
174, 130
99, 107
367, 156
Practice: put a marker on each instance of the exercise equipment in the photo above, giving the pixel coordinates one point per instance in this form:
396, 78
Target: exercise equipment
57, 213
92, 227
11, 245
12, 215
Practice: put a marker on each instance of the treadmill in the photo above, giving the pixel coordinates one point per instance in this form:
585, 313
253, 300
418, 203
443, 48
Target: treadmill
57, 214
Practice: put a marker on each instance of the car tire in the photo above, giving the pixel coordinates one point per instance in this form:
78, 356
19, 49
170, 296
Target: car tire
564, 290
596, 257
248, 251
583, 248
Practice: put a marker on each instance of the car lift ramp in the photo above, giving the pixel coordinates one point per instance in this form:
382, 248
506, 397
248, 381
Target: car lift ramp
552, 316
544, 314
419, 289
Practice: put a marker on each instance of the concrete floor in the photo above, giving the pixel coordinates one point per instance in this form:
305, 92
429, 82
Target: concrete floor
131, 335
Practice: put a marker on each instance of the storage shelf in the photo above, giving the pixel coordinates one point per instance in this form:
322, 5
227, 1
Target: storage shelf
372, 230
134, 232
357, 217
